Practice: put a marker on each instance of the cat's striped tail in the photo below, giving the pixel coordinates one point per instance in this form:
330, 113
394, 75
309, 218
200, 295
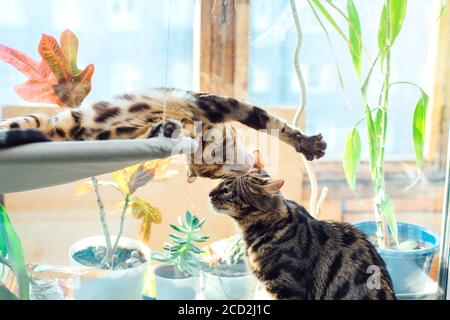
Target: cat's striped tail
16, 137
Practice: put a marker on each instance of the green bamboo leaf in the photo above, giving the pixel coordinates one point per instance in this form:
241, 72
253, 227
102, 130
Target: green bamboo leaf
419, 126
443, 9
330, 19
391, 22
397, 14
16, 256
373, 142
369, 75
355, 36
352, 157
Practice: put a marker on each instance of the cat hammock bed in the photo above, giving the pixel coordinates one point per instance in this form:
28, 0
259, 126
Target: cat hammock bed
40, 165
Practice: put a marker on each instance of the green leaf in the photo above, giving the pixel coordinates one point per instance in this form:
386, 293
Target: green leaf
179, 229
5, 294
160, 257
352, 157
197, 238
369, 74
15, 253
195, 222
355, 36
3, 248
189, 218
182, 223
419, 127
196, 249
330, 19
443, 8
201, 223
391, 22
373, 143
175, 238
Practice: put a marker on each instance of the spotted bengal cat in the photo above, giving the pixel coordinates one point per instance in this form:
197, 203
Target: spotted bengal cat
137, 116
294, 255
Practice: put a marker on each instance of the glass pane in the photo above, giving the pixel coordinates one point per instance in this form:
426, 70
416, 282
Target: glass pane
273, 84
126, 40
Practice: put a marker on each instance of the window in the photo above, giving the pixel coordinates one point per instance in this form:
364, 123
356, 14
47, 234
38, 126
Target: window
244, 49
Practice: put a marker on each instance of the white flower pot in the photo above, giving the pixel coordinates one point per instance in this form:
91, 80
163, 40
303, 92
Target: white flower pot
169, 288
124, 284
215, 287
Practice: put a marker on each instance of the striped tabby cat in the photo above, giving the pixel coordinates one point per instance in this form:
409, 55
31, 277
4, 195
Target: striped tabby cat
294, 255
135, 116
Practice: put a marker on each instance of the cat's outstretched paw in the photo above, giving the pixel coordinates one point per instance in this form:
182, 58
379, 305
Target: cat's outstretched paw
312, 147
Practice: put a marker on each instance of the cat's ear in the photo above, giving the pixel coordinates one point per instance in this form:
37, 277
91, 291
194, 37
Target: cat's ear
274, 186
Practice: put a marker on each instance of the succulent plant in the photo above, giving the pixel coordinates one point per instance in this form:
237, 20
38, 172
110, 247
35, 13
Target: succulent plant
184, 254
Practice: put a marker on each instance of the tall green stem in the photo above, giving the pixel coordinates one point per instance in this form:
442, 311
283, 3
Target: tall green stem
379, 181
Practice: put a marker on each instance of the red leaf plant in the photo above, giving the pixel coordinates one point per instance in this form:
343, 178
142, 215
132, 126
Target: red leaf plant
56, 79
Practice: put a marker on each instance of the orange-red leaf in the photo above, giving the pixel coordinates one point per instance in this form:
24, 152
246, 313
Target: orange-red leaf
22, 62
51, 52
74, 91
69, 45
38, 91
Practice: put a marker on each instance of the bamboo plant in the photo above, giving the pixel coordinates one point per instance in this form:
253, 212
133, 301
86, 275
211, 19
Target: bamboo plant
376, 114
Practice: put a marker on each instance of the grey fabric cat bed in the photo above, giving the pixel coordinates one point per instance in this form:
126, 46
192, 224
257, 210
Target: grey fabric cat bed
40, 165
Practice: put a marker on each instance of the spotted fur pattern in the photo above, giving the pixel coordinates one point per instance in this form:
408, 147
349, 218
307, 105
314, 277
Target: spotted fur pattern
139, 116
294, 255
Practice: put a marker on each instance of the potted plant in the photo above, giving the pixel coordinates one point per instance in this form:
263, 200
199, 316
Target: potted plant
227, 276
177, 278
125, 259
407, 249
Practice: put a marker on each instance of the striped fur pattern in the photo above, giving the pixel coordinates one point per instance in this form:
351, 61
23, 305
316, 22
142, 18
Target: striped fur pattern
294, 255
140, 116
